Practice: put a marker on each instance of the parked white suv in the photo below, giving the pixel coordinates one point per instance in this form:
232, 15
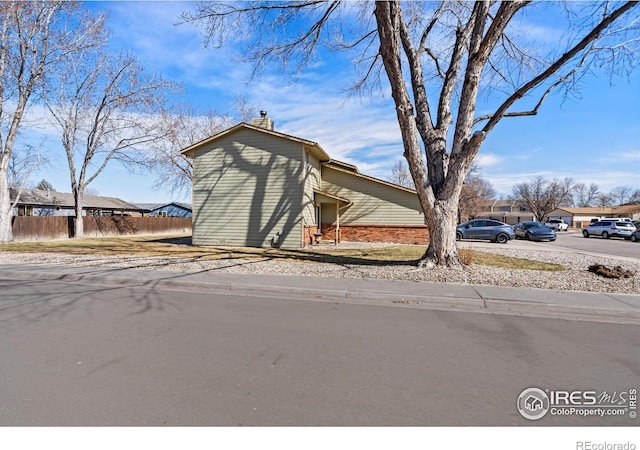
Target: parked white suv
557, 224
609, 228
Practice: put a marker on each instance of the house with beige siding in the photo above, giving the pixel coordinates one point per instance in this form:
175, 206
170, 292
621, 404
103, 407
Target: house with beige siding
507, 211
254, 186
582, 217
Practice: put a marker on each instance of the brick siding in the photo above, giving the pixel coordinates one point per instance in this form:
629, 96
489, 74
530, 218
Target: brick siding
397, 234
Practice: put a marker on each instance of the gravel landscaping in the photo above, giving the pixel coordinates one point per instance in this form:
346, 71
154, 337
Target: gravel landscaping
576, 277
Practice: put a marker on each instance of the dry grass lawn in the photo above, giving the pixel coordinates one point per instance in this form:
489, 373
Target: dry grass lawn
180, 247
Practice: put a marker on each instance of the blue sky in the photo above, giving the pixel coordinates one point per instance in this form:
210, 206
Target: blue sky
595, 139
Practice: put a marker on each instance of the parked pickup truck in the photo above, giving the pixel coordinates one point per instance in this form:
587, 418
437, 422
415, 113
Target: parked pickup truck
557, 224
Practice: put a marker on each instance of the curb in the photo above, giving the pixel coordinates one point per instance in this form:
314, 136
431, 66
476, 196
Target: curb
478, 304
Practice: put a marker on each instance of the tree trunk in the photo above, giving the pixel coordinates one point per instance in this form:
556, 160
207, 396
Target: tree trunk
79, 224
6, 232
442, 250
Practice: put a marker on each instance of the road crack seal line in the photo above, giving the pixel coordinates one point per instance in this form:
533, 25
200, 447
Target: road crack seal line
621, 301
484, 300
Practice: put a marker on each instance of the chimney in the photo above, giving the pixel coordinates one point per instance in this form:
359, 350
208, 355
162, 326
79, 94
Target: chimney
263, 121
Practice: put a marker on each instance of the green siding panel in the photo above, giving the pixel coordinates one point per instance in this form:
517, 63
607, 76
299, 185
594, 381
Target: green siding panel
246, 190
311, 181
373, 203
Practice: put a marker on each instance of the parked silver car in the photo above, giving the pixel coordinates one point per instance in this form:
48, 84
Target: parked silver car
609, 228
492, 230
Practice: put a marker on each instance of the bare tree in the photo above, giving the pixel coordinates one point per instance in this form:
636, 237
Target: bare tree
34, 38
102, 106
183, 126
584, 195
542, 196
243, 110
22, 164
635, 197
436, 57
621, 194
604, 199
476, 193
400, 175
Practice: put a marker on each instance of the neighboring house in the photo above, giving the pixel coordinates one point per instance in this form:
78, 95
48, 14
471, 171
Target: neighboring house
254, 186
582, 217
507, 211
34, 202
173, 209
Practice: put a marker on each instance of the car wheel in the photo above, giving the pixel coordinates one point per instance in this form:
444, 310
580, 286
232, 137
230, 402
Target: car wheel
502, 238
633, 238
458, 236
527, 236
605, 235
585, 233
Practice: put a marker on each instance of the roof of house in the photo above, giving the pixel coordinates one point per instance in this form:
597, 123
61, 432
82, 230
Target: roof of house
322, 155
154, 206
488, 214
336, 198
498, 203
353, 170
601, 210
314, 146
37, 197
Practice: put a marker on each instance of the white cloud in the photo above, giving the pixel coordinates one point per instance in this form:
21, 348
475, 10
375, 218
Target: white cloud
631, 155
362, 132
488, 160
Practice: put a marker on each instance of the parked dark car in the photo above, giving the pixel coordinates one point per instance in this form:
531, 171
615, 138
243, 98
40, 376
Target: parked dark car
534, 231
609, 228
635, 236
492, 230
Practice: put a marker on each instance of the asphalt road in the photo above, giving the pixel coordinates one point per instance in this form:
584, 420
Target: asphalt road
573, 241
613, 246
72, 354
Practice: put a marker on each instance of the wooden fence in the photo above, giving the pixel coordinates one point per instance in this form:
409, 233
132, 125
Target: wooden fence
44, 228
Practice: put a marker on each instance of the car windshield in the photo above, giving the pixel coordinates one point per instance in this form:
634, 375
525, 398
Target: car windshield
529, 225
